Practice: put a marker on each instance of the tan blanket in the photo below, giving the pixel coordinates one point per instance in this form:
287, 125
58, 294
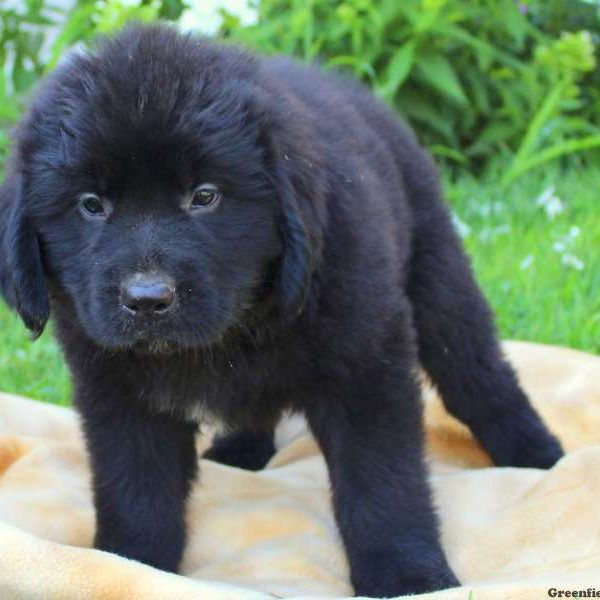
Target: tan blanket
509, 533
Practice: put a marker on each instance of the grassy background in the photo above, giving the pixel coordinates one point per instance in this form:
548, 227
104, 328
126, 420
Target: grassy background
519, 254
517, 250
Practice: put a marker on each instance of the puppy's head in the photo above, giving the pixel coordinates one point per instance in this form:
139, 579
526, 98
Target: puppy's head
150, 194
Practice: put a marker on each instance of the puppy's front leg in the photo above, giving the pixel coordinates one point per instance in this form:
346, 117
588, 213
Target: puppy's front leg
142, 469
370, 430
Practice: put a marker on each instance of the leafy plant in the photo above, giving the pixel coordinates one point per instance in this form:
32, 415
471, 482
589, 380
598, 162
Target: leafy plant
34, 34
565, 62
478, 79
21, 49
465, 73
94, 17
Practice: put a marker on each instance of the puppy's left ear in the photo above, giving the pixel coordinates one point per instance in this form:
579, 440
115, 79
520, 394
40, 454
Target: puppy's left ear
21, 273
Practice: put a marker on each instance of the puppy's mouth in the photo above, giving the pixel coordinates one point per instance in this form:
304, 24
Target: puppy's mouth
161, 336
164, 338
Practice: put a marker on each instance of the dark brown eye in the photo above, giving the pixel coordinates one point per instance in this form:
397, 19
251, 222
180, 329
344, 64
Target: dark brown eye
92, 206
205, 197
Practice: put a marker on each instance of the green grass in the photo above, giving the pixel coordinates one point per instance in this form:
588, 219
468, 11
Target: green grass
547, 301
31, 369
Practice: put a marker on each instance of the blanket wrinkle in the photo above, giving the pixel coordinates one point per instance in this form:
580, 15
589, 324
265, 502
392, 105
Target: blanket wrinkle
509, 533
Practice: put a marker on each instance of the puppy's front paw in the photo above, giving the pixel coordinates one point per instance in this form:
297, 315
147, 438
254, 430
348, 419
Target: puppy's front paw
164, 555
384, 577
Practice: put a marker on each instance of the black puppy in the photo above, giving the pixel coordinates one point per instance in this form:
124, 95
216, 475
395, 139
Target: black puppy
222, 236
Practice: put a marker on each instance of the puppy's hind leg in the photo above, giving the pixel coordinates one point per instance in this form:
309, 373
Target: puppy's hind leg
243, 449
459, 349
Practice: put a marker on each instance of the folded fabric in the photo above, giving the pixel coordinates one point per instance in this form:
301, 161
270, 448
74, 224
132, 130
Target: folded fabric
508, 533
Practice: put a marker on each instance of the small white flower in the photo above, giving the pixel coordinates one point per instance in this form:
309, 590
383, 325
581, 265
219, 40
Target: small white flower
559, 247
527, 262
545, 196
554, 207
208, 24
565, 243
460, 226
550, 202
570, 260
205, 16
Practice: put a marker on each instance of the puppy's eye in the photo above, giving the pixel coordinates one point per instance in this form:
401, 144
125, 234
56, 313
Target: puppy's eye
94, 207
205, 197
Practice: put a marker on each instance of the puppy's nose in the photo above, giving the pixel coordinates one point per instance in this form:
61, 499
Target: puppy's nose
147, 295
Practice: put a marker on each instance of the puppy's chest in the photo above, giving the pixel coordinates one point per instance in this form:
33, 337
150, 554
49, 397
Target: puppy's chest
233, 393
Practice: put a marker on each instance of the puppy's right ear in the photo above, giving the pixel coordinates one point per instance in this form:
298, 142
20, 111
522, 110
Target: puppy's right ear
22, 280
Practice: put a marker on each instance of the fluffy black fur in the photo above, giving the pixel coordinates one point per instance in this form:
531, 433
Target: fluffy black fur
328, 272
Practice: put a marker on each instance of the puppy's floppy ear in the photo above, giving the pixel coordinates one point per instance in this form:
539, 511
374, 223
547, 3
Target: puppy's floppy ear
21, 273
300, 187
298, 258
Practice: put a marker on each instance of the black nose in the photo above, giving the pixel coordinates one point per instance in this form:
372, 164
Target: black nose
147, 295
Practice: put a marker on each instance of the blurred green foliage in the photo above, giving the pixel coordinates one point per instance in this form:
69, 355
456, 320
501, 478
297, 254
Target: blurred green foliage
34, 34
478, 79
